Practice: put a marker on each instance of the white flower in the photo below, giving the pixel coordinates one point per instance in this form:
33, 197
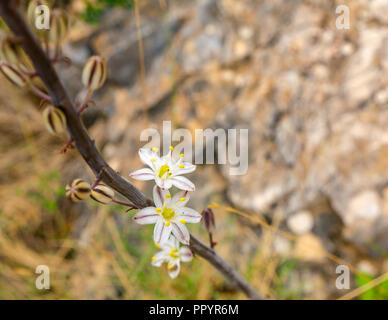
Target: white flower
164, 170
172, 254
169, 216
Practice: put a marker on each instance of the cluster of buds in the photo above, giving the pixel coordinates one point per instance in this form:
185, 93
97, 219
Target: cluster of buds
14, 63
54, 30
80, 190
17, 67
12, 54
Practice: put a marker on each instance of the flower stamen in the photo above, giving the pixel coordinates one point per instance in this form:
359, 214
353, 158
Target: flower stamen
168, 213
174, 253
163, 170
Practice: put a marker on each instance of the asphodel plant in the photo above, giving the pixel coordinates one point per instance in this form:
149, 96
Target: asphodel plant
169, 213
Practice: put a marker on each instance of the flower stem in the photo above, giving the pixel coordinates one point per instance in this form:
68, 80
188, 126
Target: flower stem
40, 93
125, 204
68, 145
86, 102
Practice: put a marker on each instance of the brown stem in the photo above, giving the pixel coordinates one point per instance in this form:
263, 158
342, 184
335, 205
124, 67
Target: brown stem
86, 147
211, 242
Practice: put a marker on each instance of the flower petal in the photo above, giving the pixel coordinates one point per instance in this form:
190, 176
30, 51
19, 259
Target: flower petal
159, 258
180, 231
176, 200
188, 214
142, 174
187, 168
173, 269
146, 216
185, 254
168, 183
171, 244
146, 155
160, 196
182, 183
174, 242
161, 231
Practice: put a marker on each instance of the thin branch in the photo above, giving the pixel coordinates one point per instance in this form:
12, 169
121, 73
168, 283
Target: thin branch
86, 147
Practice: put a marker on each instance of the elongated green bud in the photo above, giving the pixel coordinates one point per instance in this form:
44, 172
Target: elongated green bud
54, 119
13, 75
102, 194
78, 190
94, 73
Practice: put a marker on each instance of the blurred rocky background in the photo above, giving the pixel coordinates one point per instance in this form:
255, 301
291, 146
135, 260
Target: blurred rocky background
315, 101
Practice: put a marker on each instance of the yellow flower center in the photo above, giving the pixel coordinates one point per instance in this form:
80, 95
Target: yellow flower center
174, 253
168, 213
163, 169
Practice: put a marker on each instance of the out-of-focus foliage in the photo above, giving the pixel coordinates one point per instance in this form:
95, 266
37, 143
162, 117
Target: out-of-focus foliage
95, 9
379, 292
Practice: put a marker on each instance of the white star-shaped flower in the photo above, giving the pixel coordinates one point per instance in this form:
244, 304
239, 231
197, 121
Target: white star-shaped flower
164, 170
172, 254
169, 215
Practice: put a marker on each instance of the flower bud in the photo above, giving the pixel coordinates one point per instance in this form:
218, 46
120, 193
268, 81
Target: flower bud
13, 75
78, 190
54, 119
208, 219
10, 52
59, 24
94, 73
102, 194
